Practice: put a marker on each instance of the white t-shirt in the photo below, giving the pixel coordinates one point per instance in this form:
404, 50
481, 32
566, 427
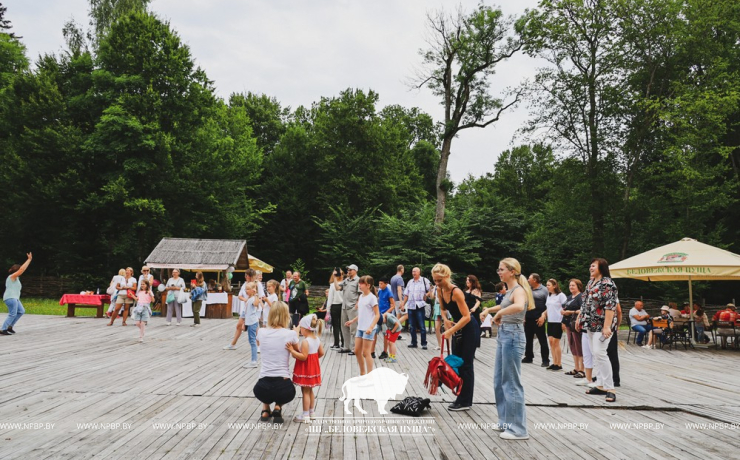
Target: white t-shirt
179, 282
275, 357
149, 278
554, 304
118, 279
130, 283
635, 312
365, 311
271, 299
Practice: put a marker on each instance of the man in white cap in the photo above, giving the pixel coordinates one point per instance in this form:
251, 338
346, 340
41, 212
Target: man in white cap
350, 294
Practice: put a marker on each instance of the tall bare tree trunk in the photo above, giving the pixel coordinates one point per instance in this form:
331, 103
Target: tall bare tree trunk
439, 216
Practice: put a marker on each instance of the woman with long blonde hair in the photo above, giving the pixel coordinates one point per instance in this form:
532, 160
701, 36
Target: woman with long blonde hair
507, 375
452, 299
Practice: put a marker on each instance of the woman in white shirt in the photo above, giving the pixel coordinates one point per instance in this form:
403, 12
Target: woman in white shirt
275, 385
335, 310
174, 286
555, 302
122, 300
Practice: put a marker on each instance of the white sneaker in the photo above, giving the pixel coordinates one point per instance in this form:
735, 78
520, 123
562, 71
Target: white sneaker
508, 436
141, 339
251, 365
168, 323
646, 346
258, 349
582, 382
229, 347
301, 419
195, 325
177, 324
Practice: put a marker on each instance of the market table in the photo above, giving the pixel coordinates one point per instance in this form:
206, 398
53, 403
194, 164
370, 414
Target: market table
216, 306
84, 301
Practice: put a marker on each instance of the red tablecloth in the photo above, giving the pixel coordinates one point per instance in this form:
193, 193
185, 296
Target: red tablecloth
84, 299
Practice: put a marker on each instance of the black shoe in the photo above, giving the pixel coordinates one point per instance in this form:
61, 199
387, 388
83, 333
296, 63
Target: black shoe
351, 353
639, 344
263, 417
277, 416
4, 332
552, 367
526, 361
373, 355
593, 379
423, 347
343, 350
545, 364
400, 337
457, 407
10, 329
617, 385
335, 347
383, 355
555, 367
412, 346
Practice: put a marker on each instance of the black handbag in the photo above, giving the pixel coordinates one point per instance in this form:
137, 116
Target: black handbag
411, 405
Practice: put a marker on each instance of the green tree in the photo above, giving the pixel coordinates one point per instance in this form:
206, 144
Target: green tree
267, 118
457, 67
573, 100
104, 13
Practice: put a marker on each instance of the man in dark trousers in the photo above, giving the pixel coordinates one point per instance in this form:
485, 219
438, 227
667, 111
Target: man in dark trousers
534, 324
613, 348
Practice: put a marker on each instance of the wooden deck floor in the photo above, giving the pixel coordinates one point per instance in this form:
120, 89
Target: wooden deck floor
75, 372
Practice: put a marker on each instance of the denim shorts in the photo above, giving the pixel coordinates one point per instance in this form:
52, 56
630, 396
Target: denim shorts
361, 334
141, 314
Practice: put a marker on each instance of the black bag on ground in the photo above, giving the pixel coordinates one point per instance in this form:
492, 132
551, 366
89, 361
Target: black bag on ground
411, 405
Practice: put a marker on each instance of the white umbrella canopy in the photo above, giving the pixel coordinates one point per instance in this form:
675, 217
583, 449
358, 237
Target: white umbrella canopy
684, 260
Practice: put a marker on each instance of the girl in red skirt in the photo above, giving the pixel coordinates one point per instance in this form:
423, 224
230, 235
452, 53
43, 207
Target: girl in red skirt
307, 371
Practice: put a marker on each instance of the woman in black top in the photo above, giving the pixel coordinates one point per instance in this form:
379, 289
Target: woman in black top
571, 309
452, 299
473, 293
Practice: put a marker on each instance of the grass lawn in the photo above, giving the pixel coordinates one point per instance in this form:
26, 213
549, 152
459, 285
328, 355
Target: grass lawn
36, 306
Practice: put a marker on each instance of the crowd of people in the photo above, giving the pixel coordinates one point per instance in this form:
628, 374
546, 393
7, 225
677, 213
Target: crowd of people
275, 314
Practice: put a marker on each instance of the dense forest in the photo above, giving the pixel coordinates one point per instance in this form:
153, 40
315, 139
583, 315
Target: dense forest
633, 142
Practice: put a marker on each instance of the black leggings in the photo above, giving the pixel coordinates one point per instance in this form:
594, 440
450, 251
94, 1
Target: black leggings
278, 390
336, 324
466, 350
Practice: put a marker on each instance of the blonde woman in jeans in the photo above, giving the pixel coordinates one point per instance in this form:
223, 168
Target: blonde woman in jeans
507, 374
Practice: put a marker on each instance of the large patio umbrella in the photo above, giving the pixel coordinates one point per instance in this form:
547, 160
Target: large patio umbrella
685, 260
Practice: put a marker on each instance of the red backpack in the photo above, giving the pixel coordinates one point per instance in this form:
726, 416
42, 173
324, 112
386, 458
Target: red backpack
441, 372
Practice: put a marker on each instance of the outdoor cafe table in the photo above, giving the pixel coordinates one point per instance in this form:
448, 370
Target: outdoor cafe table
84, 301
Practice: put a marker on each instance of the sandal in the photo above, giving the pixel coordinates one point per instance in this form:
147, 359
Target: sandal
611, 397
265, 416
595, 391
579, 375
277, 416
573, 372
124, 324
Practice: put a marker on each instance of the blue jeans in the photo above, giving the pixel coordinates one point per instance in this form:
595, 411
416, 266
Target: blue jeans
252, 334
416, 321
507, 379
15, 311
641, 331
699, 332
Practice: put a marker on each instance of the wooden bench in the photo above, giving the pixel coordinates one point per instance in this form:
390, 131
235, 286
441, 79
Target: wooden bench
71, 309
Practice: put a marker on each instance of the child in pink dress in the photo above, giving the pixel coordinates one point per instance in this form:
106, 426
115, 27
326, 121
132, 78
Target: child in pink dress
143, 311
307, 371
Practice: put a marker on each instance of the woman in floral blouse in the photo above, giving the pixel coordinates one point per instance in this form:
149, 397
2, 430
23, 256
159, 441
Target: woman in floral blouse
599, 309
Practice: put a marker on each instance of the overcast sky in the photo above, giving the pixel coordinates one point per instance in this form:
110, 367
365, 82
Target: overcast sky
301, 50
